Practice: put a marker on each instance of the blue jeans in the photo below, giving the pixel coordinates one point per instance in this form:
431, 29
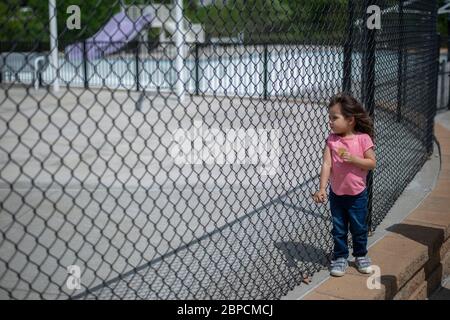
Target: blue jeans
349, 210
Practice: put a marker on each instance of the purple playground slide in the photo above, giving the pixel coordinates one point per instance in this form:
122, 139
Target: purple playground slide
115, 34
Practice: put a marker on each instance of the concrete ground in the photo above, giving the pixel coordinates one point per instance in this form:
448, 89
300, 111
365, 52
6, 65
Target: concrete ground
88, 180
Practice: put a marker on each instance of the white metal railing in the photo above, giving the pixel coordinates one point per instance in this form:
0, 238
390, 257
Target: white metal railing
289, 72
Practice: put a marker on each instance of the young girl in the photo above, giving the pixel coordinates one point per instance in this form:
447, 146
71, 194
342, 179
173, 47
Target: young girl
347, 157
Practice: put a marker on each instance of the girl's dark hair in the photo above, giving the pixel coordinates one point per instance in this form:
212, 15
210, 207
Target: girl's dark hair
350, 107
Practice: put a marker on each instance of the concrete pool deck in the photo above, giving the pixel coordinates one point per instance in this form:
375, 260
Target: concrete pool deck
88, 180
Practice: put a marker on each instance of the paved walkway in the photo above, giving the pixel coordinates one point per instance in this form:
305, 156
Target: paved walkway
443, 292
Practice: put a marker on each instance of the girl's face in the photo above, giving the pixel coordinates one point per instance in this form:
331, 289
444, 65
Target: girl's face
338, 123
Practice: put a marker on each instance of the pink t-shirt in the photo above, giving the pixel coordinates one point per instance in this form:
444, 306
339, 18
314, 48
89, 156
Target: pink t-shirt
346, 178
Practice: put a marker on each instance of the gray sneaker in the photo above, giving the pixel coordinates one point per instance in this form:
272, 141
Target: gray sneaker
363, 264
338, 267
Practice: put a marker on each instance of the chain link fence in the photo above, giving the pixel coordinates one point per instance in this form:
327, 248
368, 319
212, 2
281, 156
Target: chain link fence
169, 150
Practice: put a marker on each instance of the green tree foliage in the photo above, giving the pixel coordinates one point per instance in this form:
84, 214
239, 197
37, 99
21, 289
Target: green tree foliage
272, 20
442, 26
28, 20
255, 20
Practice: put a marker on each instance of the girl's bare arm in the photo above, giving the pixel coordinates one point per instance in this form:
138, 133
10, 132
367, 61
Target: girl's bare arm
326, 168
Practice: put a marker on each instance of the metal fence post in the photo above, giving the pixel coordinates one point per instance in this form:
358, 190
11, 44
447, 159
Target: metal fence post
265, 71
441, 89
1, 62
400, 82
136, 62
448, 56
368, 92
448, 37
39, 73
85, 71
433, 91
348, 48
196, 67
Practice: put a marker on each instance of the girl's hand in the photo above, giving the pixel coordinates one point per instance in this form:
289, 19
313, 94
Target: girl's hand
347, 157
320, 196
